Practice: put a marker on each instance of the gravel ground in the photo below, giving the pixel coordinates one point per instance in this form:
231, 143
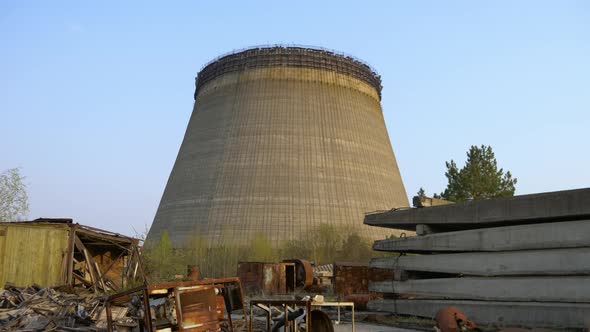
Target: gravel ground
369, 327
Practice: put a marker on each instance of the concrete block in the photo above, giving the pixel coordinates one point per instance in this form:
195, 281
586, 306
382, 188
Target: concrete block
423, 229
522, 262
538, 289
543, 207
422, 201
570, 234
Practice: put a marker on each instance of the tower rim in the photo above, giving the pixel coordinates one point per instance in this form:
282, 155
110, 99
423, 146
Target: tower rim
298, 56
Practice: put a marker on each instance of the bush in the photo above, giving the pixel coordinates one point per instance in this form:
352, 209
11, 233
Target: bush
322, 245
162, 262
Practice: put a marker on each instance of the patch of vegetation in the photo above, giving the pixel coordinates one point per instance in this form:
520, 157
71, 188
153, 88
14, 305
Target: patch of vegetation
324, 244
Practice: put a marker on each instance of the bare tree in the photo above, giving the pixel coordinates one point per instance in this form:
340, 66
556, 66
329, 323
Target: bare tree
14, 202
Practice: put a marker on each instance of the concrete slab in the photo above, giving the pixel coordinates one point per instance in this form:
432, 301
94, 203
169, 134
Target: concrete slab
567, 234
506, 263
501, 314
543, 207
538, 289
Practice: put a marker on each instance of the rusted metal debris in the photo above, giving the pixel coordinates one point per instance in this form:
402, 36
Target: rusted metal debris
127, 310
303, 272
275, 278
450, 319
267, 278
351, 282
321, 322
200, 305
289, 315
293, 313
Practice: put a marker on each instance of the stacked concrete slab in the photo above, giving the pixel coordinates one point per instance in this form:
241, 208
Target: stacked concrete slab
523, 260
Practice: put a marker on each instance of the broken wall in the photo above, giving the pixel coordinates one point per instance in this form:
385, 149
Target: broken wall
32, 253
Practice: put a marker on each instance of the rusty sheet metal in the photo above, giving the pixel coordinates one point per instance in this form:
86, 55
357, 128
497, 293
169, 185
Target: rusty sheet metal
197, 308
232, 285
286, 278
250, 274
275, 278
304, 272
228, 297
271, 278
321, 322
188, 283
264, 278
354, 278
220, 307
351, 282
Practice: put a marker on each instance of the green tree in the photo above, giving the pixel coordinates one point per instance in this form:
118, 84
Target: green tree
421, 192
14, 201
299, 248
356, 249
214, 260
261, 249
325, 241
162, 261
480, 178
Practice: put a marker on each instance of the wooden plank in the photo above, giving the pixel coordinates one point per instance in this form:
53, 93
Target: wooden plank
543, 207
505, 263
571, 234
32, 253
70, 256
501, 314
89, 262
101, 281
539, 289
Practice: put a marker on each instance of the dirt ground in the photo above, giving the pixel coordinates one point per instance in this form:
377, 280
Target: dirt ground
368, 327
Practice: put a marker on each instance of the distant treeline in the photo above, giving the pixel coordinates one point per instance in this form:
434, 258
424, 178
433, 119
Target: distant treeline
323, 245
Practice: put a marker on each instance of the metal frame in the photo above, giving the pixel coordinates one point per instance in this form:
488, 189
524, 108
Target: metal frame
289, 56
146, 306
285, 304
214, 282
337, 305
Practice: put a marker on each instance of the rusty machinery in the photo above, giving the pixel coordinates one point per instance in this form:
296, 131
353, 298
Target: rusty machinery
199, 305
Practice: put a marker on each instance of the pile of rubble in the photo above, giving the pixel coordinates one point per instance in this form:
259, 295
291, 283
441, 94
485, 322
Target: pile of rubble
35, 308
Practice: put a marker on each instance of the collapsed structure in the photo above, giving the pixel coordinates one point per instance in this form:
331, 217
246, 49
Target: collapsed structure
281, 139
518, 261
197, 305
58, 252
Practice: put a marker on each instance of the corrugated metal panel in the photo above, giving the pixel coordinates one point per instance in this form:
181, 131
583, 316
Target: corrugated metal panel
32, 253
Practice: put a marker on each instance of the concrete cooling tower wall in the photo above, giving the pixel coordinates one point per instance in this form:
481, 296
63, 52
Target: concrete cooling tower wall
281, 139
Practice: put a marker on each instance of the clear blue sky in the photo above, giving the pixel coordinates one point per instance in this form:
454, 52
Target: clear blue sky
95, 96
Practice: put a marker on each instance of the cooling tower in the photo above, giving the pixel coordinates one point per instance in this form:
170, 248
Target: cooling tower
281, 139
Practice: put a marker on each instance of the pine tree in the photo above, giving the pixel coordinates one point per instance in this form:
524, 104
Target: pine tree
480, 178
